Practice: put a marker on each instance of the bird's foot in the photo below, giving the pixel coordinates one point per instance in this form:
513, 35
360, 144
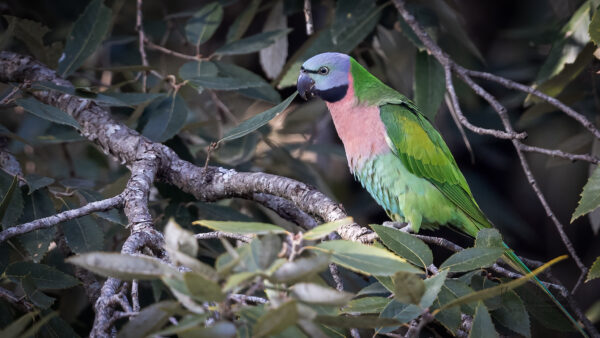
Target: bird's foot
402, 226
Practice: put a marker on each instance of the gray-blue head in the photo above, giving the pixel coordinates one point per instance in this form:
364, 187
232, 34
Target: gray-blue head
326, 76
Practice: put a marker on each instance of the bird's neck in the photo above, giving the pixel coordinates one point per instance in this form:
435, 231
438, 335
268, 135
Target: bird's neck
360, 128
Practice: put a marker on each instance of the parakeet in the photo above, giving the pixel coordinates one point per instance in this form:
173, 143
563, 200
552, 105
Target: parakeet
395, 152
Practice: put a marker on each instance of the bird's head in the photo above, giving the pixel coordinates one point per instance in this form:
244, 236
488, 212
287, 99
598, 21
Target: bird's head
326, 76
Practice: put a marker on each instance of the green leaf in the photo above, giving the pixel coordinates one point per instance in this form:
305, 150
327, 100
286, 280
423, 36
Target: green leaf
85, 37
83, 234
194, 327
47, 112
317, 294
450, 318
42, 276
594, 28
201, 69
265, 250
429, 84
179, 240
37, 297
32, 34
110, 215
122, 266
252, 43
165, 118
204, 23
482, 326
264, 92
472, 258
35, 182
433, 285
150, 319
37, 205
405, 245
512, 314
403, 313
35, 328
325, 229
202, 289
489, 238
300, 269
272, 59
359, 322
258, 120
223, 83
594, 271
10, 199
543, 309
366, 305
457, 289
130, 99
241, 227
242, 22
238, 278
501, 288
15, 328
276, 320
408, 287
373, 289
590, 196
365, 259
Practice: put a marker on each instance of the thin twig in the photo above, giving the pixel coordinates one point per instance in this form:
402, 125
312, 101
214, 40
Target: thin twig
135, 300
221, 234
139, 27
222, 107
459, 126
308, 17
167, 51
46, 222
559, 153
247, 299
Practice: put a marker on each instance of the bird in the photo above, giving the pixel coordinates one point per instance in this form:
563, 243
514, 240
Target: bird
395, 152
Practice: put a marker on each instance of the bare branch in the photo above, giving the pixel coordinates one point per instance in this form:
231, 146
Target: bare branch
21, 302
46, 222
308, 18
559, 153
141, 38
221, 234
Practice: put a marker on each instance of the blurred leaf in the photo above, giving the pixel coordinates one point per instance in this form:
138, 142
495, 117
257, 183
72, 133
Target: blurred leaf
194, 69
276, 320
165, 118
265, 250
594, 271
360, 322
130, 99
34, 330
257, 121
82, 234
238, 151
10, 199
449, 318
482, 326
272, 59
16, 328
241, 227
223, 83
373, 289
35, 182
193, 330
149, 320
489, 238
37, 297
300, 268
79, 92
590, 196
594, 28
429, 84
57, 328
32, 34
365, 259
569, 43
405, 245
501, 288
202, 289
122, 266
457, 289
252, 43
37, 205
512, 314
264, 92
433, 285
472, 258
86, 35
366, 305
321, 231
408, 287
180, 291
238, 278
47, 112
593, 312
204, 23
42, 276
541, 307
180, 240
317, 294
578, 143
242, 22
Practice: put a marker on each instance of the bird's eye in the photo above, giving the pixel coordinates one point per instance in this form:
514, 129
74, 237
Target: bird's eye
323, 70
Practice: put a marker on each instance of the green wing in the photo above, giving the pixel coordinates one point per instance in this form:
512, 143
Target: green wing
425, 154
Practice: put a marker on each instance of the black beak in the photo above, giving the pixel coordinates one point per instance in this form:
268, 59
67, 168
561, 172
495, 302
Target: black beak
305, 86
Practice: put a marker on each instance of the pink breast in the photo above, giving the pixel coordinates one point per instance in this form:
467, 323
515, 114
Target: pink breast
359, 127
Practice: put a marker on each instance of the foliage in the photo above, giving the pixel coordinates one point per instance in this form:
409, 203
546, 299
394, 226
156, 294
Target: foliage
217, 87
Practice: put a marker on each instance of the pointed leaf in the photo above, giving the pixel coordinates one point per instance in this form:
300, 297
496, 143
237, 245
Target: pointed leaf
43, 277
405, 245
276, 320
489, 238
429, 84
325, 229
35, 182
242, 22
403, 313
512, 314
252, 43
165, 118
35, 295
408, 287
83, 234
122, 266
241, 227
37, 205
264, 92
202, 289
590, 196
257, 121
365, 259
204, 23
317, 294
149, 320
299, 269
433, 285
273, 57
472, 258
47, 112
594, 271
86, 35
482, 326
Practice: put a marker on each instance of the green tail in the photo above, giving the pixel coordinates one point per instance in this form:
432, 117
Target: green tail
514, 261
